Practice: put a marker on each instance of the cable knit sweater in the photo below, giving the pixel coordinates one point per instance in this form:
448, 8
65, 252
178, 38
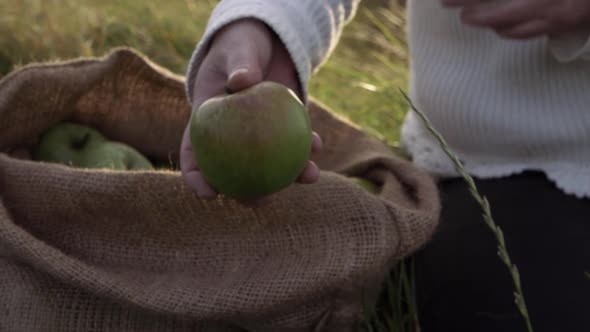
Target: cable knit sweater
504, 106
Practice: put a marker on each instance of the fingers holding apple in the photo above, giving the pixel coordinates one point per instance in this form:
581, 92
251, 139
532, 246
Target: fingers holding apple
190, 170
243, 58
311, 172
250, 144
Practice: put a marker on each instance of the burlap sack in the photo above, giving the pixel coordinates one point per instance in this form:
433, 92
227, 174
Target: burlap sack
100, 250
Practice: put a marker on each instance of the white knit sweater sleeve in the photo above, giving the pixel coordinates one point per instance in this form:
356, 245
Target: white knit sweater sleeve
571, 46
310, 29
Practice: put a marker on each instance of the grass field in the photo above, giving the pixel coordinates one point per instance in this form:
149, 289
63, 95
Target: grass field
370, 59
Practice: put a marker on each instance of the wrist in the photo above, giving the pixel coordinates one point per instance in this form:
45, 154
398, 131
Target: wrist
236, 30
280, 18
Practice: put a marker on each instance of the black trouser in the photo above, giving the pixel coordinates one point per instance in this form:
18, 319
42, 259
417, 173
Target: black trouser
463, 285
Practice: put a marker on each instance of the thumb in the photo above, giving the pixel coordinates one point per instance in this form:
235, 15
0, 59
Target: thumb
244, 70
246, 47
251, 49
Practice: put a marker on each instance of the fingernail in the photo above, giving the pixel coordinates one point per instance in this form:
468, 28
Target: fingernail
238, 71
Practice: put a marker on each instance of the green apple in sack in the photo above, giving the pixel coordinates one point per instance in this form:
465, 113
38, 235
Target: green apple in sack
252, 143
81, 146
366, 185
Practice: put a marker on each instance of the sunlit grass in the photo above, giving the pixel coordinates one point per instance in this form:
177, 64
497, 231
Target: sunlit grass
370, 57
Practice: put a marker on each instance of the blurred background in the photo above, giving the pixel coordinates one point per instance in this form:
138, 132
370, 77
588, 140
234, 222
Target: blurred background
360, 80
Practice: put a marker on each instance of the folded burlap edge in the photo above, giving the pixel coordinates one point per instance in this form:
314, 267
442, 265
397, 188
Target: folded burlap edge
409, 175
411, 238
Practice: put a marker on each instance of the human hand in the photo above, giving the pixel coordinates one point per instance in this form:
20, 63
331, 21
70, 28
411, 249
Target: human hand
522, 19
241, 55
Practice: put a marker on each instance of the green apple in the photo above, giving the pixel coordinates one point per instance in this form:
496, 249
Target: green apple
115, 155
81, 146
252, 143
366, 184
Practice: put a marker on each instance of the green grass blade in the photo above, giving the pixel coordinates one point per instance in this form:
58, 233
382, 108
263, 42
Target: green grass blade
520, 301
